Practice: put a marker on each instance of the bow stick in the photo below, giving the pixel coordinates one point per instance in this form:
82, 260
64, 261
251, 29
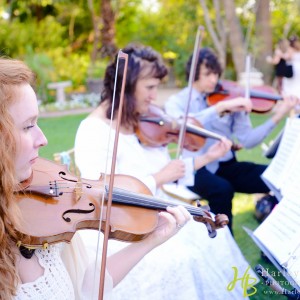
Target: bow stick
121, 56
190, 86
247, 73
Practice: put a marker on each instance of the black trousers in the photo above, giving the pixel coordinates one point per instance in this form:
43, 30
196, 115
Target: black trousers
232, 176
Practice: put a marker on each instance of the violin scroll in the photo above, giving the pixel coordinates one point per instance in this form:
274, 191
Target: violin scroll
220, 221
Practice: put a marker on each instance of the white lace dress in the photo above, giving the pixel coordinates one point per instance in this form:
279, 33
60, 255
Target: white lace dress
70, 272
54, 284
188, 266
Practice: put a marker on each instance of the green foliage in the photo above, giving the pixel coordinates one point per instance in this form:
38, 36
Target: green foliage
160, 29
97, 70
42, 65
62, 30
70, 66
15, 36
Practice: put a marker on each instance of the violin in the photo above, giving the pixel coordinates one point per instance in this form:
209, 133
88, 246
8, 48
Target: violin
263, 97
156, 128
55, 204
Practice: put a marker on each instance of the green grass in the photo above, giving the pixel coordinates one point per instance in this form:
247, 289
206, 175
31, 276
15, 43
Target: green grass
61, 131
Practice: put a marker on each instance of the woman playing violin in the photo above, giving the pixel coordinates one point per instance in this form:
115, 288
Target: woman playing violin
219, 180
189, 265
42, 274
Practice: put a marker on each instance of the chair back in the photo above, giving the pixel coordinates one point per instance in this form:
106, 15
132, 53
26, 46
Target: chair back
67, 158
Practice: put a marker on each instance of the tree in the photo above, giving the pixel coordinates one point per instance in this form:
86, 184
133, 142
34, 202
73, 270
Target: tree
264, 38
108, 31
104, 31
217, 32
233, 31
236, 39
227, 27
96, 30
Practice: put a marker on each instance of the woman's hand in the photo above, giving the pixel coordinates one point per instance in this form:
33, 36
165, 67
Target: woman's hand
169, 223
174, 170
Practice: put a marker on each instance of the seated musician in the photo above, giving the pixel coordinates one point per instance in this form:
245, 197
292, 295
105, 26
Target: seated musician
219, 180
192, 265
41, 273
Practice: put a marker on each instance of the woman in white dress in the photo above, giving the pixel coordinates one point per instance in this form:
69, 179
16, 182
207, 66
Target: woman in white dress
291, 86
190, 265
48, 273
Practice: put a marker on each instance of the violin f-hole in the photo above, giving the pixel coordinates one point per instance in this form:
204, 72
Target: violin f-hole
77, 211
62, 174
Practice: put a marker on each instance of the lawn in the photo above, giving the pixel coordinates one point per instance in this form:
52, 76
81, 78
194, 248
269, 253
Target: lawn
61, 131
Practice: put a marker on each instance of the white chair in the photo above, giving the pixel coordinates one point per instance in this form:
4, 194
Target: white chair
67, 158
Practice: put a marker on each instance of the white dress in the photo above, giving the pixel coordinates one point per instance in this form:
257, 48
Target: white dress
188, 266
68, 274
54, 284
291, 86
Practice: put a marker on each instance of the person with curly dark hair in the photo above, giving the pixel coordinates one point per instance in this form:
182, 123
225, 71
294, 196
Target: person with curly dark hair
219, 180
157, 276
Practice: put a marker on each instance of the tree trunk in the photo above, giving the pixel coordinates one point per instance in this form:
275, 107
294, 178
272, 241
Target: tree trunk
218, 35
235, 36
264, 39
96, 29
108, 32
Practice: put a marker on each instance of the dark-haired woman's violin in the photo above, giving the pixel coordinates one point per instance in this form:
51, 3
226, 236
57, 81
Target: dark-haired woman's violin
55, 204
156, 128
263, 97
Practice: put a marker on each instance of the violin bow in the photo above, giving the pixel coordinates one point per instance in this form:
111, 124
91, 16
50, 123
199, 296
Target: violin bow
190, 86
247, 73
121, 56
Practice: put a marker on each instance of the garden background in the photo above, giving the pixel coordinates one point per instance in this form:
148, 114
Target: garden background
66, 40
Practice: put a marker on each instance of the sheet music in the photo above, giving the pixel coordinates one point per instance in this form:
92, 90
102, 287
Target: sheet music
291, 178
293, 267
288, 151
280, 232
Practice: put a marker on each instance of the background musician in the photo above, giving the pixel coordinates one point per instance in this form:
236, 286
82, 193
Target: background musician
219, 180
192, 265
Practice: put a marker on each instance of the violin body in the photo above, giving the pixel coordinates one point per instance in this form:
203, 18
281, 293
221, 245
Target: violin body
55, 204
156, 129
263, 97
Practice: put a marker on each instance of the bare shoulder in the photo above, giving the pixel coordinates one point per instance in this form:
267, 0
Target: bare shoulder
99, 112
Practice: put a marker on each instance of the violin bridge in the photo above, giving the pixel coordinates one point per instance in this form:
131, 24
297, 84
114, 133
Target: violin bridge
78, 190
174, 124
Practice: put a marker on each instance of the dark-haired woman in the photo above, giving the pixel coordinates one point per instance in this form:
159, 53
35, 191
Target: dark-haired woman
192, 265
48, 273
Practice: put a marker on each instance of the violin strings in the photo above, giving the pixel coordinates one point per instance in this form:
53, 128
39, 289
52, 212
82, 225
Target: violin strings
126, 197
148, 201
